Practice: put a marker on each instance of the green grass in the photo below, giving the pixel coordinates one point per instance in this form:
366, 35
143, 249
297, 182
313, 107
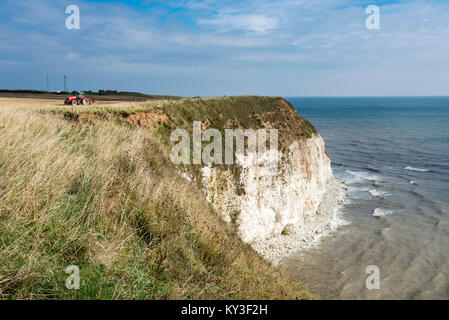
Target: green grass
106, 197
225, 112
249, 112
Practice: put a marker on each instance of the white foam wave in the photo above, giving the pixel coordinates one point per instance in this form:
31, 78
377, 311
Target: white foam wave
379, 212
416, 169
377, 193
337, 211
363, 176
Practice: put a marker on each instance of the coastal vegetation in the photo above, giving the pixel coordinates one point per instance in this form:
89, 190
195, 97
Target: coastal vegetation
80, 186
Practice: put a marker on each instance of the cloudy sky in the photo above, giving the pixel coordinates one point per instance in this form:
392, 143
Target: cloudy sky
228, 47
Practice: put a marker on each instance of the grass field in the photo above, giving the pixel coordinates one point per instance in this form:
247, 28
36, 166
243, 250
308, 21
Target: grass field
105, 197
110, 98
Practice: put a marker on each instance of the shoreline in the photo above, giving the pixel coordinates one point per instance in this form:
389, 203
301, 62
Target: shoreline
326, 220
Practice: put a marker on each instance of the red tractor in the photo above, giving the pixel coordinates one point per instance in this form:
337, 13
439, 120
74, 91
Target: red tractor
77, 97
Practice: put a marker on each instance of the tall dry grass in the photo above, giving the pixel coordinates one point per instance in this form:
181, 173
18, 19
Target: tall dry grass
106, 198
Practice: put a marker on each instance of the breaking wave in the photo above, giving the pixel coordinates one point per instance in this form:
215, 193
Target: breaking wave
364, 175
379, 212
377, 193
416, 169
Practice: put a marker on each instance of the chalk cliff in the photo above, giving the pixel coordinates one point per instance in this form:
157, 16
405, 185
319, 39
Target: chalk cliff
269, 193
269, 197
277, 199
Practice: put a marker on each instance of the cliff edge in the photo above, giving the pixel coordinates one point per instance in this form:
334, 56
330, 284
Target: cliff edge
270, 196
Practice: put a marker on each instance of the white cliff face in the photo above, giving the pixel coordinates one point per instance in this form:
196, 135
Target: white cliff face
270, 197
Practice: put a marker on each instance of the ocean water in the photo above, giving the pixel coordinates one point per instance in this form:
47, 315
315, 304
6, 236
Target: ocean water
393, 154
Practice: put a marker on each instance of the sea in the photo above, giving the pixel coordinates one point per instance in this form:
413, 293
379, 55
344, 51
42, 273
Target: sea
393, 242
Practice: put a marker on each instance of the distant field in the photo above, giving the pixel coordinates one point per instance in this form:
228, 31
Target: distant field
109, 97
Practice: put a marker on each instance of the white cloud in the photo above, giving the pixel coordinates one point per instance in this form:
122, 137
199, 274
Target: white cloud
290, 47
250, 22
72, 56
10, 62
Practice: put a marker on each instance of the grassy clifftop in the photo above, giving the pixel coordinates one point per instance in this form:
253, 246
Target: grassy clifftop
104, 196
226, 112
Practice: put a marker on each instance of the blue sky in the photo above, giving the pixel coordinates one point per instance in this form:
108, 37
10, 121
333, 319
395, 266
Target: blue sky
227, 47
